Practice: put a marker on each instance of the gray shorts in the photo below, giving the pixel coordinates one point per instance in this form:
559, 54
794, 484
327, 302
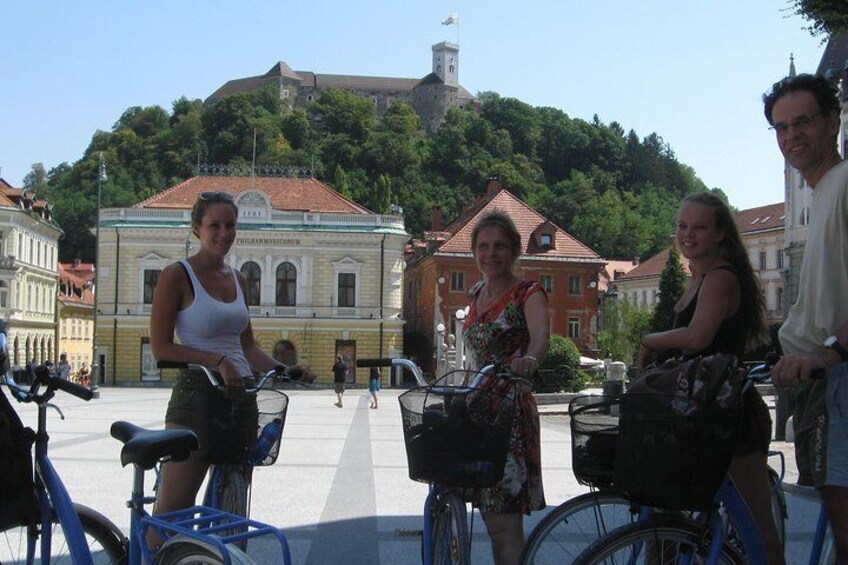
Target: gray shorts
837, 426
821, 430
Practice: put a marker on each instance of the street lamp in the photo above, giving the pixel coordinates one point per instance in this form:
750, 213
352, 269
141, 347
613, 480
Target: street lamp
95, 362
460, 343
440, 348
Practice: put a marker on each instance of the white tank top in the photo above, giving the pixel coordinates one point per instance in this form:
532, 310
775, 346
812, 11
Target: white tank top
211, 325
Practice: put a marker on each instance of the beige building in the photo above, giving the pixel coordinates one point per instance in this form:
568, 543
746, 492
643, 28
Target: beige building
28, 255
75, 308
762, 231
324, 274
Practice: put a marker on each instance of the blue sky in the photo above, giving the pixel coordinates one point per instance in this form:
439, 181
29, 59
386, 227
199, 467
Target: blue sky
692, 71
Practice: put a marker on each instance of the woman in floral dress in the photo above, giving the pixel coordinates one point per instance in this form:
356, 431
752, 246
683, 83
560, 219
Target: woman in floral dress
508, 324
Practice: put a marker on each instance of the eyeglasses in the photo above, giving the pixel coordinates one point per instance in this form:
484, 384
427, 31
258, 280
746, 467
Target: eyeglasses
801, 124
216, 196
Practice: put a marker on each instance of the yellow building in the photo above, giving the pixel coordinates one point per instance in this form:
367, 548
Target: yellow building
76, 313
324, 274
29, 239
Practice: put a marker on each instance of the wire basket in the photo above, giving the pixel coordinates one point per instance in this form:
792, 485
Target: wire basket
272, 405
594, 435
458, 436
673, 452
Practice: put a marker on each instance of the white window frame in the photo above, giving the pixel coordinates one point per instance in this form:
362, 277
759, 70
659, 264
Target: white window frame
351, 266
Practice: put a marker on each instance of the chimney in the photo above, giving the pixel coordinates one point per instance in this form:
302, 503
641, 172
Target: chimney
635, 260
437, 220
493, 186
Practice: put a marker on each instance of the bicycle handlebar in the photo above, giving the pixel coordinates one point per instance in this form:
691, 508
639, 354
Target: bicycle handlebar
51, 382
280, 372
416, 371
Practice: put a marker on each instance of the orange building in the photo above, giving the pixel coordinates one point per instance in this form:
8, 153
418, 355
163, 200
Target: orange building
441, 270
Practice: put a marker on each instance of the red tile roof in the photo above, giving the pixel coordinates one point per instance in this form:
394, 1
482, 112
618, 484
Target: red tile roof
613, 266
762, 218
291, 194
653, 266
73, 288
526, 220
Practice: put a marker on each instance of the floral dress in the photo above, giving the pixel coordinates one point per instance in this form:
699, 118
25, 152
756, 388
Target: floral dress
504, 327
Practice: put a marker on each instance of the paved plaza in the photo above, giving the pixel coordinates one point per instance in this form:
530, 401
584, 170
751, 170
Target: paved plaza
339, 489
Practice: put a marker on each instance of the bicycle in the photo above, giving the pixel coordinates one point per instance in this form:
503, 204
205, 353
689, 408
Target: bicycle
64, 532
698, 538
576, 523
201, 534
452, 442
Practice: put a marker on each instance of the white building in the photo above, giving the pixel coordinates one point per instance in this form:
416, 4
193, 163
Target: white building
28, 274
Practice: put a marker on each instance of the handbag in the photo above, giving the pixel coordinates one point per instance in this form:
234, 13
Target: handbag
677, 432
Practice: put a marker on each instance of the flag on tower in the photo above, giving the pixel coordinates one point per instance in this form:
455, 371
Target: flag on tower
452, 19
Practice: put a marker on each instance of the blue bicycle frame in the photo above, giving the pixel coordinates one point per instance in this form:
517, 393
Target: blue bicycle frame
427, 533
52, 489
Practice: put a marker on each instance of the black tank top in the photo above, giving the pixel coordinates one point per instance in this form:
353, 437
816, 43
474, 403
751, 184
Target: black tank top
732, 332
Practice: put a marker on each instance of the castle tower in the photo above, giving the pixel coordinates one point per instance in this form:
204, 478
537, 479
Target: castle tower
446, 62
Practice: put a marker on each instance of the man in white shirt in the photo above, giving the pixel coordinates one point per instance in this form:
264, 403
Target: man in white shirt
804, 113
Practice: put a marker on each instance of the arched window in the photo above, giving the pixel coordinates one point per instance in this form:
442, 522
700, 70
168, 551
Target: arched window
253, 274
286, 285
285, 353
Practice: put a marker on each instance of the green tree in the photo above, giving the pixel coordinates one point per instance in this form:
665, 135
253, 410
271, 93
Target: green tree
672, 284
560, 371
383, 196
341, 182
826, 17
624, 326
36, 179
561, 351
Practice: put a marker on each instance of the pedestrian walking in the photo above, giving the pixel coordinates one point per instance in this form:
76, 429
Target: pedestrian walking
339, 376
374, 385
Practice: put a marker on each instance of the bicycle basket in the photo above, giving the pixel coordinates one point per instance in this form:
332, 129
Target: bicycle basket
272, 405
457, 436
672, 452
594, 434
18, 503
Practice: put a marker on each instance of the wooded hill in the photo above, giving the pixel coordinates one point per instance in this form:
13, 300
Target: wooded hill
614, 190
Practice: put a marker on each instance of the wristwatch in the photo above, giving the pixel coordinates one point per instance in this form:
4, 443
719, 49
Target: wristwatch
833, 343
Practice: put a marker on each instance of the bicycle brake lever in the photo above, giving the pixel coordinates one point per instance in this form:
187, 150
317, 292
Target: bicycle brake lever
57, 409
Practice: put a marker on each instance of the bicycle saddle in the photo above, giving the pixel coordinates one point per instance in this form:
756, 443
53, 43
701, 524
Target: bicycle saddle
145, 448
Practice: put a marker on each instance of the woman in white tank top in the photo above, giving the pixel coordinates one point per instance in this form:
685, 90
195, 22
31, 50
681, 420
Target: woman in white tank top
200, 316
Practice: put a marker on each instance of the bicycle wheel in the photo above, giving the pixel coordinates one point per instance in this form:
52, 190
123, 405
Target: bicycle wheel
662, 539
105, 547
778, 505
188, 552
232, 489
574, 525
451, 545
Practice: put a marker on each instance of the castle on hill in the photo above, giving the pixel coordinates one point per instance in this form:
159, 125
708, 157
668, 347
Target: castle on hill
430, 96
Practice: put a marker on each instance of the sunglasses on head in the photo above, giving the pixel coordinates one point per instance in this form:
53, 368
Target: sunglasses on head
216, 196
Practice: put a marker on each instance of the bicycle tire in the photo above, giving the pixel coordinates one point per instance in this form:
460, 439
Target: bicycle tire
182, 550
778, 505
666, 534
105, 547
574, 525
451, 544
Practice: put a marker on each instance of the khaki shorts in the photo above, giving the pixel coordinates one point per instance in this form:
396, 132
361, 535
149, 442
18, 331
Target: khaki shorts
225, 427
340, 388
